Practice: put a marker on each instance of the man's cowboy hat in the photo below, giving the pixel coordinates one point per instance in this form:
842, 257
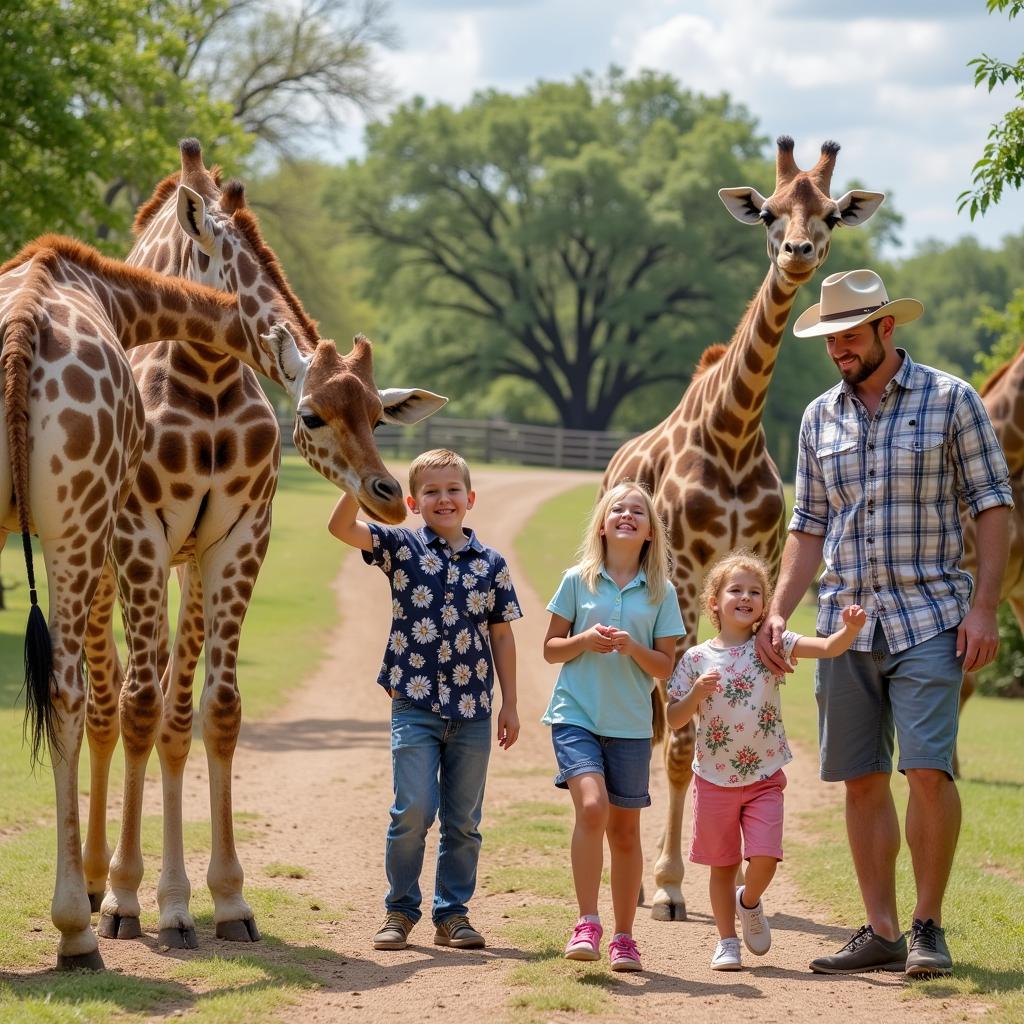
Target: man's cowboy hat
850, 299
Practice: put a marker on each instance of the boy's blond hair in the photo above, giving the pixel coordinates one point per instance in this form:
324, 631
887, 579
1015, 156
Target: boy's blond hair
720, 571
654, 558
437, 458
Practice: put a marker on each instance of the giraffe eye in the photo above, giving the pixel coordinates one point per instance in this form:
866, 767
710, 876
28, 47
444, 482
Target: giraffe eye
311, 420
766, 216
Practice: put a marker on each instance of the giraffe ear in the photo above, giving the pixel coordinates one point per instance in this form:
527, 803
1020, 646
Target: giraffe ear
743, 203
409, 405
194, 219
291, 363
857, 206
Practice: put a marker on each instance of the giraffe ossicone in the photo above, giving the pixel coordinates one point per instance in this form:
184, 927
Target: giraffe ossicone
707, 464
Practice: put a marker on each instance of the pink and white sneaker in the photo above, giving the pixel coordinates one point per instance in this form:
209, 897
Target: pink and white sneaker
623, 954
585, 941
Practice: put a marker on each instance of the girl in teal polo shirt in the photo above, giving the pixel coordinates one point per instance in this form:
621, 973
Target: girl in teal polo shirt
614, 625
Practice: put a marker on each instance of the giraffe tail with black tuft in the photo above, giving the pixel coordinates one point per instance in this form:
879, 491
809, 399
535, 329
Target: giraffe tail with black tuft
19, 334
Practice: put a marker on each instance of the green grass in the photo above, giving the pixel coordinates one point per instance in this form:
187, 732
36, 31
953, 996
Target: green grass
985, 902
279, 870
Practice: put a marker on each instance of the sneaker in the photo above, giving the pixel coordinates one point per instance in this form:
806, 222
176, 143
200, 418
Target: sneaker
727, 956
757, 936
623, 954
394, 932
929, 955
865, 952
458, 932
585, 941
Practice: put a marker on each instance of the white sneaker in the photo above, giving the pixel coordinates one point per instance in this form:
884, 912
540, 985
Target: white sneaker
757, 936
727, 956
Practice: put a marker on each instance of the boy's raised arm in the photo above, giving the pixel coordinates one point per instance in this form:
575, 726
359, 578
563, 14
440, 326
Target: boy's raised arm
344, 525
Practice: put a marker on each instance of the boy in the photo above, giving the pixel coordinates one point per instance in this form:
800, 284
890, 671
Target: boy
452, 608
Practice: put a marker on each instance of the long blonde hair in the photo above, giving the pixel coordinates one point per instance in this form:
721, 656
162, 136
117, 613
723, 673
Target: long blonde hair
744, 560
654, 558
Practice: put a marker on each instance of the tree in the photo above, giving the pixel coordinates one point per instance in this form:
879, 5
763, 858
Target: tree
86, 95
569, 238
1002, 162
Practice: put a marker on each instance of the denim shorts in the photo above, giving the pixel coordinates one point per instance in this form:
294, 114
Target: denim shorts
865, 696
624, 763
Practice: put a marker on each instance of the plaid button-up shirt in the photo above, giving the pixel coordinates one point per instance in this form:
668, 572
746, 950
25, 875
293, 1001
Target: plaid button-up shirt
883, 491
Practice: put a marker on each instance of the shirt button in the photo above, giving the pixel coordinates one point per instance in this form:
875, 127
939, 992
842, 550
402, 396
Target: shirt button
871, 447
871, 540
876, 588
871, 472
448, 597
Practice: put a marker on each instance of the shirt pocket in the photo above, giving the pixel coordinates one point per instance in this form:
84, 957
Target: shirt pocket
917, 465
839, 458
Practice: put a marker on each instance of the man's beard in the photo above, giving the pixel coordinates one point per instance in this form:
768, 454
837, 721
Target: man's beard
866, 365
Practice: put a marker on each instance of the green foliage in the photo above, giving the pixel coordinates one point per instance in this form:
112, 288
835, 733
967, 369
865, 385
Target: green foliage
1002, 161
1007, 326
568, 237
90, 99
1005, 676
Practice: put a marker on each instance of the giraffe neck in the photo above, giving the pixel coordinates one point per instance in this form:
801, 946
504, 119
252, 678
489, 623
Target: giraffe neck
732, 399
144, 307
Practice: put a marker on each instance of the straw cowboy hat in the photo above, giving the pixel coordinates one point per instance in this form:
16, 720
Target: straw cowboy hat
850, 299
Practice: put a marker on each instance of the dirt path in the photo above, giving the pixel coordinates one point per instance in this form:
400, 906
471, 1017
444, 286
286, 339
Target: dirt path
318, 775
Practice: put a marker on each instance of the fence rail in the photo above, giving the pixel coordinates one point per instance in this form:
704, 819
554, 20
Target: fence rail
495, 441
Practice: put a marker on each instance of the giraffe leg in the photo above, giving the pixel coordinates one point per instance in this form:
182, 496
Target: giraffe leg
69, 909
102, 730
176, 926
143, 586
669, 903
229, 571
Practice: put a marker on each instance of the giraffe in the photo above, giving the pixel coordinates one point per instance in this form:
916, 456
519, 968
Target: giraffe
1003, 397
202, 500
73, 440
707, 464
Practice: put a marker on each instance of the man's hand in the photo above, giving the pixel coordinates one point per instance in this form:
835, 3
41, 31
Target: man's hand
508, 726
768, 645
977, 639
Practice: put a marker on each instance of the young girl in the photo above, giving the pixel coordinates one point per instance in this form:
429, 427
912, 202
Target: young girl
740, 746
614, 625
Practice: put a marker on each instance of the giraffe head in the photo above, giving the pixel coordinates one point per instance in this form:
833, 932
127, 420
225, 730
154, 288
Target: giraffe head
800, 215
194, 228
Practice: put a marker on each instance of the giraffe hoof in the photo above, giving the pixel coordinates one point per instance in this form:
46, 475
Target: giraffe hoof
668, 912
81, 962
95, 902
113, 926
238, 931
178, 938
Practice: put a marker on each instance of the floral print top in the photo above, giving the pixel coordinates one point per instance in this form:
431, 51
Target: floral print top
740, 737
442, 603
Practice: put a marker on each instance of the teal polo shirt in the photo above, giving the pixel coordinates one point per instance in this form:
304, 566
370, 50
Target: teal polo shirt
609, 694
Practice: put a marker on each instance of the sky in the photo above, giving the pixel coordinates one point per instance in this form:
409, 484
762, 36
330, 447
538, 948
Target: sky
887, 79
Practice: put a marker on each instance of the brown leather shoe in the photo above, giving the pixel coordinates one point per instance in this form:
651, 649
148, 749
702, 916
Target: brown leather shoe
458, 932
394, 932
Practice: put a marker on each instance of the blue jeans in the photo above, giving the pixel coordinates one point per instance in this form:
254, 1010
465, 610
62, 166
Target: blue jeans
439, 768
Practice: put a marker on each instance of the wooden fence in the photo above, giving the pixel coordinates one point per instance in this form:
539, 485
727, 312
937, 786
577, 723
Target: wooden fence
495, 441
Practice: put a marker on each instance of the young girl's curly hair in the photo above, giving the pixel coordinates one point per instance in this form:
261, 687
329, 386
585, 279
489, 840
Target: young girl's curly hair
741, 559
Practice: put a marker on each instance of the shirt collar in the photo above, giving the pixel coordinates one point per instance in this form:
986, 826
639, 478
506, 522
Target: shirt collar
435, 539
636, 581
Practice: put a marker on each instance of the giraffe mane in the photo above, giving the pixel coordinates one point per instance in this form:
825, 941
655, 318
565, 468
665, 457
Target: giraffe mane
151, 207
999, 374
247, 224
48, 250
709, 357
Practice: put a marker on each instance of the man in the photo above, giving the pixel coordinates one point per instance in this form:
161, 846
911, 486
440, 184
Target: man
884, 458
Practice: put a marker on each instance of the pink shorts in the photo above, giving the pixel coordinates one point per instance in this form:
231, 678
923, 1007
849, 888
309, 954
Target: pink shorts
721, 814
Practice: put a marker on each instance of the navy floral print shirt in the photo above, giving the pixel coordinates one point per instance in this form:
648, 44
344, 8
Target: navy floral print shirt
439, 651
